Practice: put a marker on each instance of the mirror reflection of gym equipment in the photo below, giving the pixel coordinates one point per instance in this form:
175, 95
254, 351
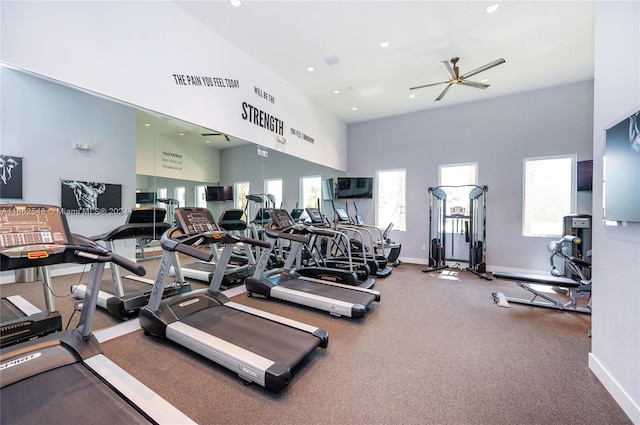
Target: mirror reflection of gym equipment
460, 230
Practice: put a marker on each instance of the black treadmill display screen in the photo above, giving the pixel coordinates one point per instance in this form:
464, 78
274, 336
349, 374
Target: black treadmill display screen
23, 225
195, 220
281, 218
315, 215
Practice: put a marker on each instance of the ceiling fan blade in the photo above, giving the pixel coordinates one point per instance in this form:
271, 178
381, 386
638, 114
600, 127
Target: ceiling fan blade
444, 92
428, 85
226, 138
473, 84
210, 134
484, 68
447, 68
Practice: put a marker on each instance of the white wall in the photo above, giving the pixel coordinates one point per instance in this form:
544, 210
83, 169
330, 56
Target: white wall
41, 121
615, 355
131, 51
498, 134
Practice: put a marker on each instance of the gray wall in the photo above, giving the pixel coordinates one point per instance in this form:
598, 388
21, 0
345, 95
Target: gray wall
243, 164
42, 120
615, 356
498, 134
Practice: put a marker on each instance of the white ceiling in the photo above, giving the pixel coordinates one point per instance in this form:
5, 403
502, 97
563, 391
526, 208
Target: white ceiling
544, 43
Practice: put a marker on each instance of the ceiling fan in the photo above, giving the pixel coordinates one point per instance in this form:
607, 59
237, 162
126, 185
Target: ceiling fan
217, 134
455, 78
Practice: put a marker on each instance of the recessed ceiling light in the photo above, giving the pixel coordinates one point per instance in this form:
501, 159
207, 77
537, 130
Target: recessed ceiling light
235, 3
147, 125
310, 69
207, 141
355, 108
484, 80
411, 96
384, 44
336, 92
492, 7
181, 134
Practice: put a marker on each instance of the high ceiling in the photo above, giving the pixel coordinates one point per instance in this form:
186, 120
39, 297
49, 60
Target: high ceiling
544, 44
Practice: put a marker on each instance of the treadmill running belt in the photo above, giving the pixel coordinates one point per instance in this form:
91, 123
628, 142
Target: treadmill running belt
268, 339
337, 293
9, 312
69, 394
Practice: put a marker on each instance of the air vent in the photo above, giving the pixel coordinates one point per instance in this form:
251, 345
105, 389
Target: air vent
331, 60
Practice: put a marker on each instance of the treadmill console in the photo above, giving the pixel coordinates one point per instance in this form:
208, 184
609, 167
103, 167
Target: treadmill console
343, 217
32, 231
195, 220
315, 215
281, 218
231, 219
262, 216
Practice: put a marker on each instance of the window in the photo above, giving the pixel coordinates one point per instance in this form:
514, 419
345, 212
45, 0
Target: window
453, 175
162, 193
201, 196
310, 191
240, 190
390, 199
549, 194
273, 187
180, 194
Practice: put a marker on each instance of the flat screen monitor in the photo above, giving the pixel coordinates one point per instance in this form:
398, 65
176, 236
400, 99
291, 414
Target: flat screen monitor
584, 173
219, 193
355, 187
145, 198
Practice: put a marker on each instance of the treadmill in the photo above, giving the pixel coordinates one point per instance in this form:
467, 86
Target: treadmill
21, 320
260, 347
239, 266
145, 223
289, 285
63, 377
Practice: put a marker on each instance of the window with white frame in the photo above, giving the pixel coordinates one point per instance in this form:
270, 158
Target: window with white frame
457, 179
180, 194
549, 194
391, 198
240, 190
310, 191
201, 196
274, 187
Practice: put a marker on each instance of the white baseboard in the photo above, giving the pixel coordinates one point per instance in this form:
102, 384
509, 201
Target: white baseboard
629, 406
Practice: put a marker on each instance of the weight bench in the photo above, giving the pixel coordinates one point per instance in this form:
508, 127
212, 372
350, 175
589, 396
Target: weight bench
576, 291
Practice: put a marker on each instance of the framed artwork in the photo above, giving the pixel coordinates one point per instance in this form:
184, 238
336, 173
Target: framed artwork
622, 171
10, 177
90, 197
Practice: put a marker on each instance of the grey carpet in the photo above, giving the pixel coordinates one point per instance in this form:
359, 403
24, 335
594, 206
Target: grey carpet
435, 350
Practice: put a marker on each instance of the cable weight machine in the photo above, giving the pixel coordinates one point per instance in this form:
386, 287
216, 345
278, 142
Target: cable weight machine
453, 233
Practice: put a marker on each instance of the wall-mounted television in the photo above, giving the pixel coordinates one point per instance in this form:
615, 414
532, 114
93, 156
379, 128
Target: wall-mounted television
219, 193
584, 174
354, 187
145, 198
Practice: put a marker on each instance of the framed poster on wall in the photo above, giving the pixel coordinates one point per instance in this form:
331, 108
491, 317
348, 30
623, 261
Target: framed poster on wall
10, 177
622, 171
90, 197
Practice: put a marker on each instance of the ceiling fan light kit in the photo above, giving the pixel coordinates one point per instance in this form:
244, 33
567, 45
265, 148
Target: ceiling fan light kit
453, 72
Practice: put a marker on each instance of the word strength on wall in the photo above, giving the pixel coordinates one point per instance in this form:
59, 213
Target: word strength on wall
171, 161
200, 81
262, 119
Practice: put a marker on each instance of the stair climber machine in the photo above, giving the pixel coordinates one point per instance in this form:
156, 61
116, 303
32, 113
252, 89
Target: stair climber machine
289, 285
125, 303
260, 347
63, 377
377, 262
336, 251
384, 246
238, 268
21, 320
